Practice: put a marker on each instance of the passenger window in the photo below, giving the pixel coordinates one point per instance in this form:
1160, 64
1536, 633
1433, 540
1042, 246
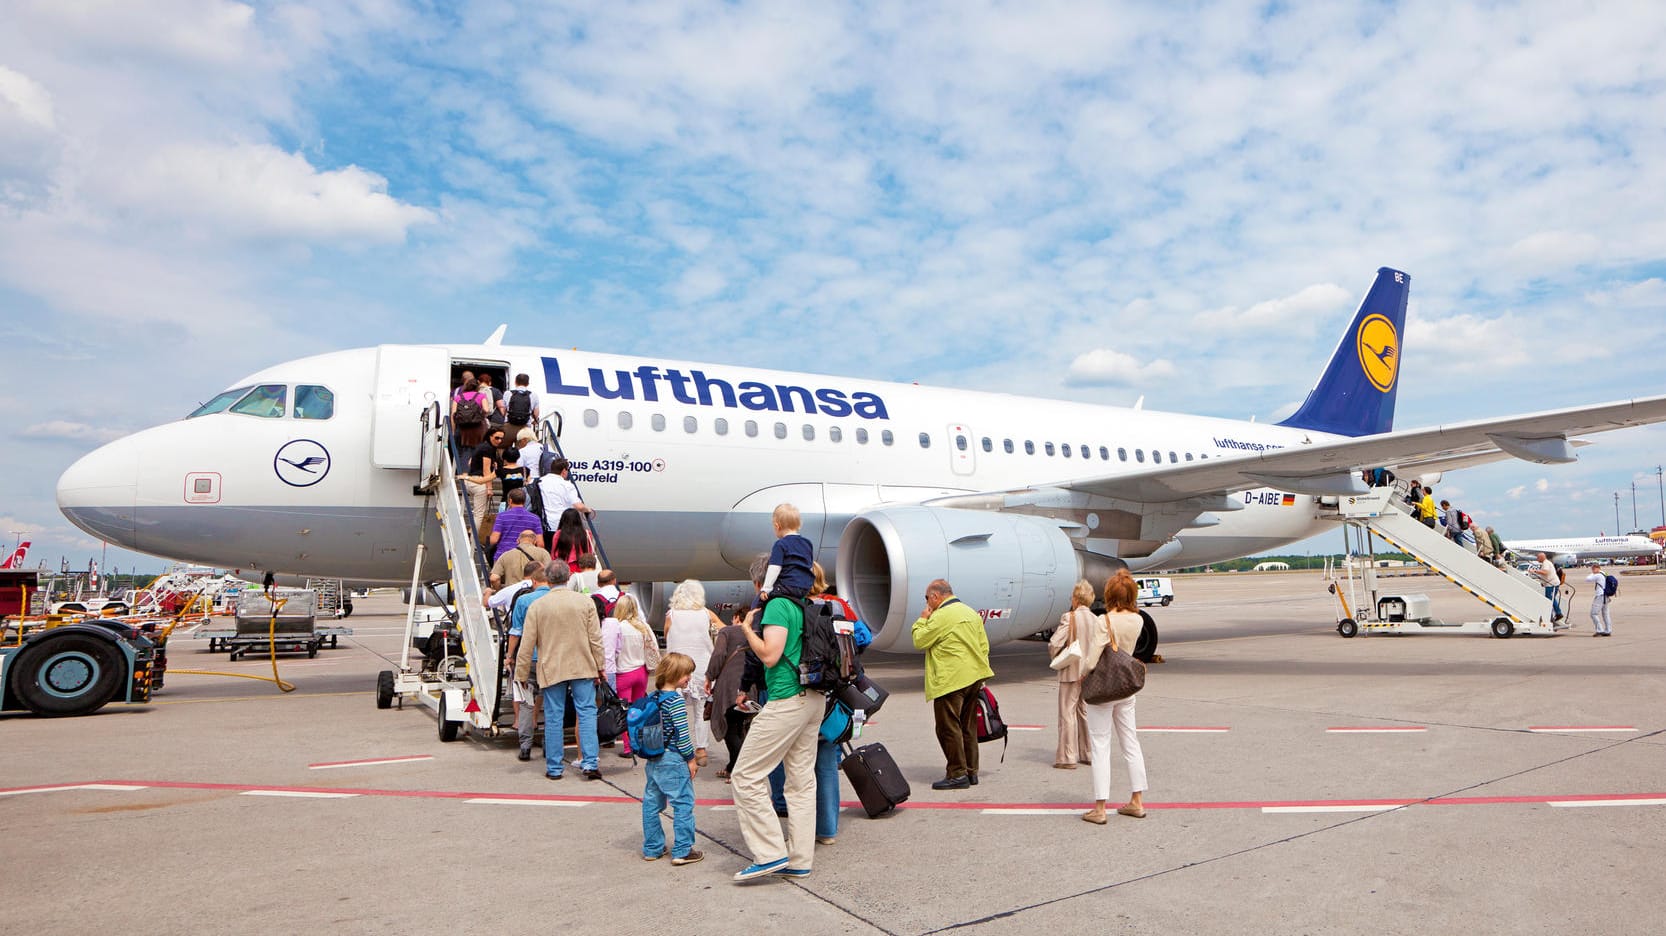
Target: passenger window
720, 426
1156, 457
690, 424
1172, 458
835, 434
1121, 454
751, 429
1084, 452
1029, 447
861, 436
314, 402
988, 444
592, 419
220, 403
657, 420
1007, 444
885, 437
1188, 456
624, 419
1104, 453
264, 401
960, 442
780, 430
1065, 450
809, 433
1048, 448
1139, 455
925, 440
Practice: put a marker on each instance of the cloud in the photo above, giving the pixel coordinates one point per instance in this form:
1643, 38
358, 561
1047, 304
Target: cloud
258, 190
1304, 309
1550, 250
65, 431
25, 99
1108, 367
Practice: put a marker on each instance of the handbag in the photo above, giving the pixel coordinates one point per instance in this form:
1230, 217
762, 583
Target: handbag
1071, 650
1067, 656
611, 713
1115, 677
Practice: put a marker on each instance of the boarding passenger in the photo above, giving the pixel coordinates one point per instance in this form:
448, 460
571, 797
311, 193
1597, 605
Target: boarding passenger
1498, 549
1426, 510
524, 691
468, 415
562, 629
789, 574
1453, 518
1600, 620
637, 655
607, 586
670, 774
734, 679
1074, 629
509, 525
586, 579
786, 729
532, 454
689, 626
957, 663
479, 474
1545, 571
520, 406
572, 541
1118, 629
1483, 543
494, 400
512, 474
559, 491
828, 753
511, 565
610, 646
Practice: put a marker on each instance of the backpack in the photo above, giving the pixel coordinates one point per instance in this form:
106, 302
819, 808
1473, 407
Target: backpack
546, 462
1463, 521
827, 647
535, 499
604, 608
990, 725
838, 724
469, 413
646, 726
520, 406
1610, 586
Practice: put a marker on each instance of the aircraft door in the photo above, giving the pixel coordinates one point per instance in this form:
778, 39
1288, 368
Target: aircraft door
963, 457
408, 378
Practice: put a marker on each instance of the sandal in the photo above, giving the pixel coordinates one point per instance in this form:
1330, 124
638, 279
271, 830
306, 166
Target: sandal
1130, 810
1094, 816
1064, 766
722, 774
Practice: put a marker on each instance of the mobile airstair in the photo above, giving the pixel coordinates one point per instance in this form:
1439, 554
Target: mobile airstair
461, 674
1517, 601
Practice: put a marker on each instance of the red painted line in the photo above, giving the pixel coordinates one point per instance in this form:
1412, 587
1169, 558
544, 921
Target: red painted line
372, 760
939, 806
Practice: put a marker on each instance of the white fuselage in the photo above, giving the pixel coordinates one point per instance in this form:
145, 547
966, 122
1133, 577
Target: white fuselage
683, 463
1589, 547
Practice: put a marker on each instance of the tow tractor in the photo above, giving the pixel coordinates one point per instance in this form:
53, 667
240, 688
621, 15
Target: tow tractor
77, 669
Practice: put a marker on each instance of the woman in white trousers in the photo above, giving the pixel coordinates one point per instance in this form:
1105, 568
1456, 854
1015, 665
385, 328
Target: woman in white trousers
1121, 625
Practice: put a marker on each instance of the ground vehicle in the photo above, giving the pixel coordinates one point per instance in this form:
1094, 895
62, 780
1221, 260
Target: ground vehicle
1156, 591
76, 669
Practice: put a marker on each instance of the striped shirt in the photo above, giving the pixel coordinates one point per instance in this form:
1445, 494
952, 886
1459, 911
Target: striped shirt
675, 715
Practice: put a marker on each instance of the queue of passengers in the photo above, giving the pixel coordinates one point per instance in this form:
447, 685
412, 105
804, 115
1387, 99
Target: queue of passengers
1451, 522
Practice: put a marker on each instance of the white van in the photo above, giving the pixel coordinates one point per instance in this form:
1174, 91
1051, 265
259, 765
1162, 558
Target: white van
1156, 591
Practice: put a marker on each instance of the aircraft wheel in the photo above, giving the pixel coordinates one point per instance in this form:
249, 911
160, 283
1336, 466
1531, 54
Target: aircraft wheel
70, 675
1501, 627
448, 729
1146, 647
384, 689
1348, 627
346, 609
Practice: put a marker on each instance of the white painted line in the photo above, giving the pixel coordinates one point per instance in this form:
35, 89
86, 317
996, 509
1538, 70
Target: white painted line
1407, 728
1610, 802
112, 787
494, 801
1355, 808
371, 763
1580, 729
1009, 811
1026, 727
1185, 730
728, 808
300, 794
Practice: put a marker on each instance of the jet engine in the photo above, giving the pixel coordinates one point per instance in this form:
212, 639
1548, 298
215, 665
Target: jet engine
1013, 569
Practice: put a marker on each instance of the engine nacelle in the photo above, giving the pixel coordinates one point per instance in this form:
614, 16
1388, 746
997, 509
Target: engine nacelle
1015, 570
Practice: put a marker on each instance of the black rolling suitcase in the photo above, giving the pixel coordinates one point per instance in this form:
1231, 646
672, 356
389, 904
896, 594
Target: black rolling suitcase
878, 782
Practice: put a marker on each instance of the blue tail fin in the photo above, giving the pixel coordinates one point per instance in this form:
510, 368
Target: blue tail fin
1355, 395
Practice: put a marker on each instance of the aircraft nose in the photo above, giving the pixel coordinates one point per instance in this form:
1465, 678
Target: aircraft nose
99, 492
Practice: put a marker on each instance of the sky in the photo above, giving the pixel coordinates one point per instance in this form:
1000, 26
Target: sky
1082, 201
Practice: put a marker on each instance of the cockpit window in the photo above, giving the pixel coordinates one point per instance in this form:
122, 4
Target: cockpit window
264, 401
219, 403
314, 402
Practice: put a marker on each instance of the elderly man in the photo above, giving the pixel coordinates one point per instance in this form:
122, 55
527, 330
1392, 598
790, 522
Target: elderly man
957, 663
1545, 572
562, 629
511, 564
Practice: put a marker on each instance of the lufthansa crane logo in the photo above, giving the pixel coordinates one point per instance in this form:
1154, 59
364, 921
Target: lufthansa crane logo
302, 463
1379, 351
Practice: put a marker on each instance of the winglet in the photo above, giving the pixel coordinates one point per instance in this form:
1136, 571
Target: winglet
1355, 395
497, 336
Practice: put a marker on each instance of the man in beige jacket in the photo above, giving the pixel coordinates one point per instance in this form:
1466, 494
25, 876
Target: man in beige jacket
564, 634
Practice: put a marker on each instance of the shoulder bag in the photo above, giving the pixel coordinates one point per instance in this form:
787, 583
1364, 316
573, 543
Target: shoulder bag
1115, 677
1071, 649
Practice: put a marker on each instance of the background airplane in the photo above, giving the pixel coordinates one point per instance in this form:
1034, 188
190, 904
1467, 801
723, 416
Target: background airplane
15, 560
1570, 551
308, 468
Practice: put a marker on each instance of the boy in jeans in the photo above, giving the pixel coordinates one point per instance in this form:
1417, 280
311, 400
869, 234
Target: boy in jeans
789, 574
671, 779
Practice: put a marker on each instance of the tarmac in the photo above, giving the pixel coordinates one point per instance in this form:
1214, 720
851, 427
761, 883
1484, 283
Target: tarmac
1300, 783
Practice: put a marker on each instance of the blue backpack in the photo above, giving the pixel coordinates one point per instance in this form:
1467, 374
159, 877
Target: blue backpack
645, 726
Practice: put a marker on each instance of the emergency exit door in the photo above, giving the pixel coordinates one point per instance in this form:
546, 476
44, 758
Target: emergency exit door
408, 378
962, 450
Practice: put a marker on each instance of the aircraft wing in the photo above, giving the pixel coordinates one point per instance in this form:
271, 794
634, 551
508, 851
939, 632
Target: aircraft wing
1332, 466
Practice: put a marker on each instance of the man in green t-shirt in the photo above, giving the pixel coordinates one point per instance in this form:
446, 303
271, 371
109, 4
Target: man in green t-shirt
784, 732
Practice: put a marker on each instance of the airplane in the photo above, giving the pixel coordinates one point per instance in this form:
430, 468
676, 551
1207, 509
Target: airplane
15, 560
1569, 552
1011, 499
